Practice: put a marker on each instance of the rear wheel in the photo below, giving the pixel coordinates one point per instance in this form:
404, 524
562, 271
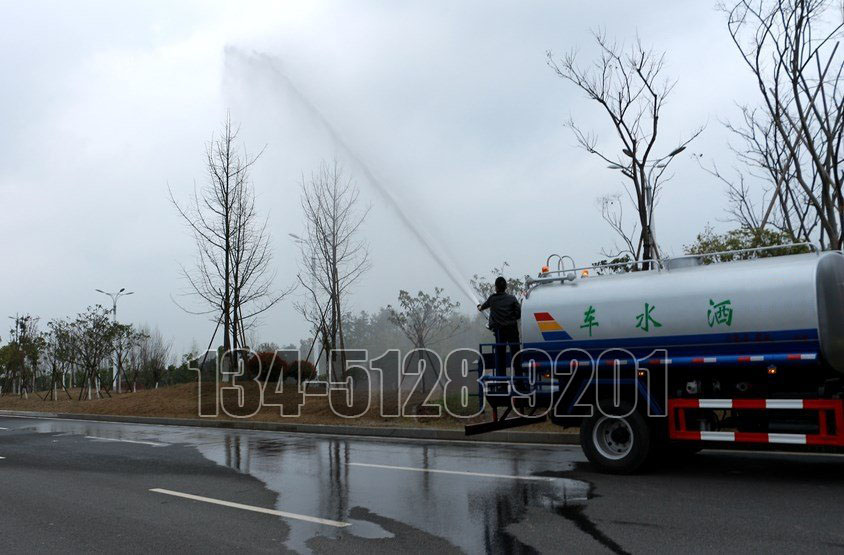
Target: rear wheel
616, 444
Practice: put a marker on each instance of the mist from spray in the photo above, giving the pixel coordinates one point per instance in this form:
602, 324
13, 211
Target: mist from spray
438, 252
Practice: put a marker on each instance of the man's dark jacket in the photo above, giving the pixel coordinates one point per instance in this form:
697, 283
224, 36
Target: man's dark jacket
504, 310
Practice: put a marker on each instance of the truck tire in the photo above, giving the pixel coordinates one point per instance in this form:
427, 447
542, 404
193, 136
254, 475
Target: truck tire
617, 445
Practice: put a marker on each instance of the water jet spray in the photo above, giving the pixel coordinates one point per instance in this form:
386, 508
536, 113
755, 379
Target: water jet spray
436, 251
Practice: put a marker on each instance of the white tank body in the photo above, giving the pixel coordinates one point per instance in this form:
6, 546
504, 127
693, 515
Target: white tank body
783, 305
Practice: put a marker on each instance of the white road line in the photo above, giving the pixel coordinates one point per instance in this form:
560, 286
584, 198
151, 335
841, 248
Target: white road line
315, 520
457, 472
352, 437
4, 429
153, 443
2, 458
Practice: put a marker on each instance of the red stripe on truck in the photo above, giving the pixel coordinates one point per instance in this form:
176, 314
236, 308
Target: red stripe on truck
752, 437
749, 404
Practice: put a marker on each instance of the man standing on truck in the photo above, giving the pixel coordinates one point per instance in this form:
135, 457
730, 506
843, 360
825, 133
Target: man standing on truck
504, 314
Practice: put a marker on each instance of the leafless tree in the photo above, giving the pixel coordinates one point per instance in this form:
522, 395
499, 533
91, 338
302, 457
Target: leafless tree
612, 212
333, 256
148, 359
232, 277
629, 86
425, 320
127, 342
792, 139
58, 356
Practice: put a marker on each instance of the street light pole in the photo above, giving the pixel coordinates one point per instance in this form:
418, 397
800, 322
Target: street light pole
660, 164
114, 297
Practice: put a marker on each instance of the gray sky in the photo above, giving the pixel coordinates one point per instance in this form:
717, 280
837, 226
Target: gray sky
450, 104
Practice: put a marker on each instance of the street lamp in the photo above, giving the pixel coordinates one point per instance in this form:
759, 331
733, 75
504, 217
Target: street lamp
114, 297
658, 164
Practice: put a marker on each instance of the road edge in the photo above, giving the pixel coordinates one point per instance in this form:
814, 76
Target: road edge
549, 438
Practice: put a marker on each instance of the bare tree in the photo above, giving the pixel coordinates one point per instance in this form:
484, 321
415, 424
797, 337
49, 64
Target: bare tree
612, 212
629, 86
426, 319
58, 356
148, 358
333, 256
127, 341
792, 139
232, 277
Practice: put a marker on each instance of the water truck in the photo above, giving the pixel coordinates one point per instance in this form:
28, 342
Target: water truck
686, 354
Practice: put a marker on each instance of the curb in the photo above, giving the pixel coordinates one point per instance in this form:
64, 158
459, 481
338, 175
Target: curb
562, 438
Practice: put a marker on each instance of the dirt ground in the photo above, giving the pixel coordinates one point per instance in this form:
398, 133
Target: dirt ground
180, 401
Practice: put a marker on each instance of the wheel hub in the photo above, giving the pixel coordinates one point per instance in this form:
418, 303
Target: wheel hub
612, 437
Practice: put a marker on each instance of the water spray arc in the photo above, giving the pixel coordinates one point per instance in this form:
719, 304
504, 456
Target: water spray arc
437, 252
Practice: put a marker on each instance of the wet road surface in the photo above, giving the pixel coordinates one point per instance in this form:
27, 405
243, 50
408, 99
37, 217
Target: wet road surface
94, 486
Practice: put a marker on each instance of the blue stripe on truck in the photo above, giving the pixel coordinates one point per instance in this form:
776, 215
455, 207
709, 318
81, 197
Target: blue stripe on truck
703, 345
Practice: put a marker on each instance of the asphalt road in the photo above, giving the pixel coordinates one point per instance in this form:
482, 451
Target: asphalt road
76, 486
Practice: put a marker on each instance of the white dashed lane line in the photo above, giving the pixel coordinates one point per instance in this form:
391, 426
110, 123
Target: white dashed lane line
283, 514
152, 443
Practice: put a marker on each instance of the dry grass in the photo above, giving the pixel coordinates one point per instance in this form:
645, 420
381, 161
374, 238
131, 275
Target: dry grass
180, 401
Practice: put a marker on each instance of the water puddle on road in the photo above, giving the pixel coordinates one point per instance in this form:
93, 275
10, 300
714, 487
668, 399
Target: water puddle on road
367, 530
391, 502
395, 495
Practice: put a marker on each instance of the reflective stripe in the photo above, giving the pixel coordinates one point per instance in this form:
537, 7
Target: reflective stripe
658, 361
715, 404
798, 439
718, 436
784, 403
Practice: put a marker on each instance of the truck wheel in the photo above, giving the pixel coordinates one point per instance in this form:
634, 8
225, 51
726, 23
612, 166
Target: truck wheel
618, 445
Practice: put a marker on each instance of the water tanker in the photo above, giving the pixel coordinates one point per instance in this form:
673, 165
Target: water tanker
777, 306
685, 354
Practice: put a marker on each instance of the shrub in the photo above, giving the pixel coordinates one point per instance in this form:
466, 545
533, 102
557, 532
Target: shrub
308, 370
267, 367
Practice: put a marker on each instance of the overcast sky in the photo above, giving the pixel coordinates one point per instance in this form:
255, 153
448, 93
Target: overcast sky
450, 104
